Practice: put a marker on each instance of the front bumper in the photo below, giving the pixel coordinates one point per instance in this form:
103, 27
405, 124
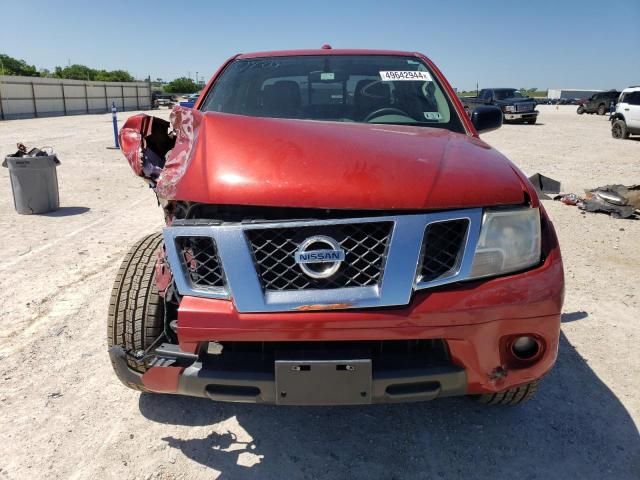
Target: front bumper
521, 116
476, 320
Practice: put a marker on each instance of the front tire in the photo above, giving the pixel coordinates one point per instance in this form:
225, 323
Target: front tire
136, 311
619, 130
580, 110
512, 396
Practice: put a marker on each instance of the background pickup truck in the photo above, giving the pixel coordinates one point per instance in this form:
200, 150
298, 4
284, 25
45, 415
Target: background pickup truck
515, 106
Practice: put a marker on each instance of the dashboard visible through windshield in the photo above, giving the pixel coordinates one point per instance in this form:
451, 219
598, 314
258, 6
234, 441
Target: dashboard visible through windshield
382, 89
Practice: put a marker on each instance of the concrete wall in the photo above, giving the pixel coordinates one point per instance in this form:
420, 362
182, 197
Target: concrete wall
26, 97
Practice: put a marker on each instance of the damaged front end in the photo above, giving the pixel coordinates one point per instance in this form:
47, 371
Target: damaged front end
241, 195
159, 151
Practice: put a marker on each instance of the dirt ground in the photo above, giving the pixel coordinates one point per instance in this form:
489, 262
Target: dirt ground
63, 413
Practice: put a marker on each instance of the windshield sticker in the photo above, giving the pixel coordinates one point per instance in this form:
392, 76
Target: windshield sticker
327, 76
395, 76
432, 115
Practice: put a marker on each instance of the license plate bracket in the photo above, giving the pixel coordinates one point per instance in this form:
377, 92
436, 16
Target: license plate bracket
323, 382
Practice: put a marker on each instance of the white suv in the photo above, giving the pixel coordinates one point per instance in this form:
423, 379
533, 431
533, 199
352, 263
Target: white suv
626, 120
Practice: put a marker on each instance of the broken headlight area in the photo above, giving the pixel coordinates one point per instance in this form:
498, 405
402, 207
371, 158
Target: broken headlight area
159, 150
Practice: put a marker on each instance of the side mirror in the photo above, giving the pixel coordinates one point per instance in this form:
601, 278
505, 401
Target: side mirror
486, 118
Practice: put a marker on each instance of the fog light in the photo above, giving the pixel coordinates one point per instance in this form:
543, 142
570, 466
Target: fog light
525, 348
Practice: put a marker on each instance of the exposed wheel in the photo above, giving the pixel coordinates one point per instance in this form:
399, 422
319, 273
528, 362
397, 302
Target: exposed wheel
602, 109
580, 110
136, 311
513, 396
619, 129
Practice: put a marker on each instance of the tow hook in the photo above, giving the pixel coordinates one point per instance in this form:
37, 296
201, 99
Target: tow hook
166, 355
170, 355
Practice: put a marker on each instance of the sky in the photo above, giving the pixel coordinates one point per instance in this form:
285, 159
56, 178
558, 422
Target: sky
544, 44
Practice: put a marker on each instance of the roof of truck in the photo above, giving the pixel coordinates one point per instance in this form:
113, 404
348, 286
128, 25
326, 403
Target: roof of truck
325, 51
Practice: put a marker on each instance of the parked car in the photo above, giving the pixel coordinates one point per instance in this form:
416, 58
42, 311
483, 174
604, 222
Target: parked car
336, 233
515, 107
163, 99
598, 102
190, 100
626, 120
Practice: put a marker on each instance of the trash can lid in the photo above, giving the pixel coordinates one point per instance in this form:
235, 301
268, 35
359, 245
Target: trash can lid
41, 161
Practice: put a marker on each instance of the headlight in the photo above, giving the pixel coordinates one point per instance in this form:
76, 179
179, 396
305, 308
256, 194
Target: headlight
509, 241
509, 108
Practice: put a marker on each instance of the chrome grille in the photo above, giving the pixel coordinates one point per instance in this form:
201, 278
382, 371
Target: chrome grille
200, 262
364, 244
524, 107
382, 255
442, 249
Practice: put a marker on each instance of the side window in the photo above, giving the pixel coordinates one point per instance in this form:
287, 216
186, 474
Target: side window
633, 98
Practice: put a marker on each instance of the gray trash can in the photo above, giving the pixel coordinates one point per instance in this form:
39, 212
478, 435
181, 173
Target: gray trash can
34, 183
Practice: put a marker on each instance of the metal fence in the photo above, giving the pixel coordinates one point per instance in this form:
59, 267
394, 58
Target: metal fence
27, 97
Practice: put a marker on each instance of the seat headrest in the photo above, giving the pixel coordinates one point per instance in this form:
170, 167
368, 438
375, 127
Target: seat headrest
282, 98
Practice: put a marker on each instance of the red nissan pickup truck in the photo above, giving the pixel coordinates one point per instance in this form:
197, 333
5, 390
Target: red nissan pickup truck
336, 233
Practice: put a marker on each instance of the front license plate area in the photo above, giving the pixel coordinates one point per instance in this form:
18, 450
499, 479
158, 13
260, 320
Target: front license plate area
323, 382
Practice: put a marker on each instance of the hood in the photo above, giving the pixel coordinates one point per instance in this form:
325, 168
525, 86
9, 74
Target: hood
240, 160
228, 159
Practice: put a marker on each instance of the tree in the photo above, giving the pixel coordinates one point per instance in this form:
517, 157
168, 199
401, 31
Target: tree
76, 72
182, 85
82, 72
13, 66
114, 76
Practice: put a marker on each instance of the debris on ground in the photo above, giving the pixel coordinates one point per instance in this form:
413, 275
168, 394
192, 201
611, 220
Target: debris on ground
619, 201
544, 185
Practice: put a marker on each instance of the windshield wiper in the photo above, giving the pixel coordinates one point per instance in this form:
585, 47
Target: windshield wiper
407, 124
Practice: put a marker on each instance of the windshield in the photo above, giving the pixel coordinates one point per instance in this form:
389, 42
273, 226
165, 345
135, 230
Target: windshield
344, 88
502, 94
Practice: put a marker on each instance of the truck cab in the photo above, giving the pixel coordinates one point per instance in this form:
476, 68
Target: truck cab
515, 107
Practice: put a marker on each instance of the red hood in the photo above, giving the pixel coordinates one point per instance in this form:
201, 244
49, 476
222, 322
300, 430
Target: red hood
231, 159
299, 163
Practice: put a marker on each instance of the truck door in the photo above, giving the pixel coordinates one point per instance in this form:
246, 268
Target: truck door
631, 109
486, 96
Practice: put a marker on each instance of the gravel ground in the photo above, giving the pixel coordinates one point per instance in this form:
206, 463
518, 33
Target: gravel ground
65, 415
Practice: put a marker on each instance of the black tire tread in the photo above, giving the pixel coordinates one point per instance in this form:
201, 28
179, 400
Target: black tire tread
512, 396
136, 313
623, 129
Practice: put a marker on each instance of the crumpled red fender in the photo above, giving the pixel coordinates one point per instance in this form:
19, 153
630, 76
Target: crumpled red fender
185, 123
131, 140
